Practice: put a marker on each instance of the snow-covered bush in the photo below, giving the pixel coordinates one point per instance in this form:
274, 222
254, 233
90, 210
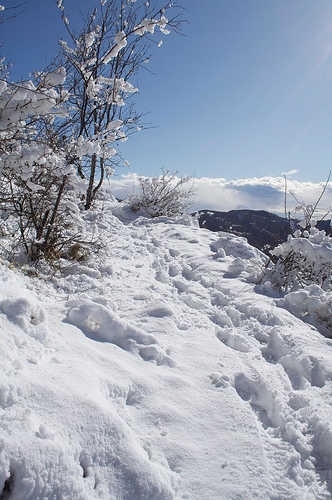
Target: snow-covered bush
34, 173
37, 215
304, 259
166, 195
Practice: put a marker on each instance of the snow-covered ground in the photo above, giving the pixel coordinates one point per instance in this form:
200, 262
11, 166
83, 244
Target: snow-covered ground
157, 370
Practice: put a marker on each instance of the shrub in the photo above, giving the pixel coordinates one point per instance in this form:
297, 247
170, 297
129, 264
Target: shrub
34, 173
166, 195
304, 259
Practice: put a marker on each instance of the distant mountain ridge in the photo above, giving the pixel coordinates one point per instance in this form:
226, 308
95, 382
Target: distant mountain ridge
261, 228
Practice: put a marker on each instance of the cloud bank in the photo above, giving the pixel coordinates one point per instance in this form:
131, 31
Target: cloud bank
257, 193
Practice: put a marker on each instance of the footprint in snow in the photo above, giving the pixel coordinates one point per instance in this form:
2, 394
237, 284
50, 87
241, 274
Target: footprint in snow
300, 369
27, 314
154, 353
175, 463
304, 371
297, 401
173, 252
221, 318
180, 286
160, 311
131, 395
9, 395
233, 340
263, 401
219, 380
174, 270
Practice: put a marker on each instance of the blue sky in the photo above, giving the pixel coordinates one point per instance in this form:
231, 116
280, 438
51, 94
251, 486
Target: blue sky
246, 92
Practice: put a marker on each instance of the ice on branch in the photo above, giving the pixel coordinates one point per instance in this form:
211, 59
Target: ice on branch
93, 88
122, 136
120, 42
64, 45
162, 23
88, 147
89, 39
21, 101
149, 26
123, 86
114, 125
55, 78
3, 86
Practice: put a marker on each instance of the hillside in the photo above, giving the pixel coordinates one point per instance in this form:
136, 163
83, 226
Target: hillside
158, 370
261, 228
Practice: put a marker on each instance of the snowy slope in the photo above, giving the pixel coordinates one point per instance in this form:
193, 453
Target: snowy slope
156, 371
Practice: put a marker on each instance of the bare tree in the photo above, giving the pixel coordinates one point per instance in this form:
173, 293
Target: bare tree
309, 210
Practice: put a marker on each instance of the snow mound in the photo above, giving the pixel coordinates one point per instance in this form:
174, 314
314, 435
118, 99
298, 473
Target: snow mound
248, 261
103, 325
313, 305
22, 311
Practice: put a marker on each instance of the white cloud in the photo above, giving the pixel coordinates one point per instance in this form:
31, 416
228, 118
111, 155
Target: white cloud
290, 172
124, 186
257, 193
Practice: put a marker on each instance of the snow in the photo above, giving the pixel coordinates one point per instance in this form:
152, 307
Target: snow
120, 42
311, 303
90, 39
55, 78
158, 370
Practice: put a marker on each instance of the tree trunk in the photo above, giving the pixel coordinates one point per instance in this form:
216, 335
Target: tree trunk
89, 193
